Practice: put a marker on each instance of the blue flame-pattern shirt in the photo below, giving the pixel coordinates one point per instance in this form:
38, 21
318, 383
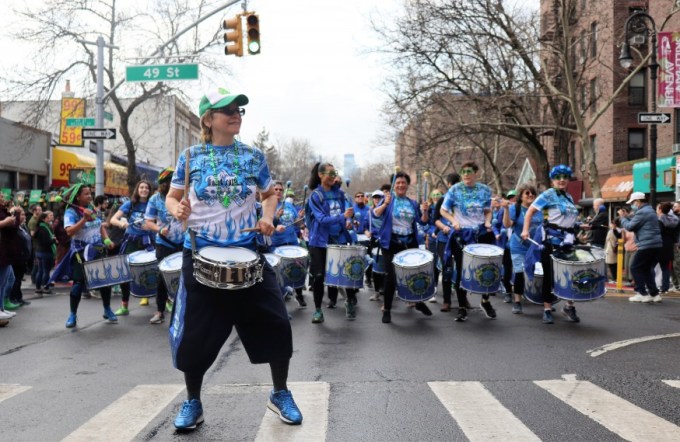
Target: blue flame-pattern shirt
288, 236
467, 204
240, 171
90, 233
558, 206
156, 211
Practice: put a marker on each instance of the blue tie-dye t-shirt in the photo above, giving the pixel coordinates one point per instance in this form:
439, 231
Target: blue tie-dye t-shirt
135, 217
467, 204
90, 233
156, 211
223, 197
558, 206
403, 215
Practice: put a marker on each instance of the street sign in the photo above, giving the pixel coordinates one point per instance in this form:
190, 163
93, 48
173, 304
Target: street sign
99, 134
654, 118
161, 72
108, 116
80, 122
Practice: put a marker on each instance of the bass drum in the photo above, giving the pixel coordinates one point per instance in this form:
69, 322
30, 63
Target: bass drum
581, 275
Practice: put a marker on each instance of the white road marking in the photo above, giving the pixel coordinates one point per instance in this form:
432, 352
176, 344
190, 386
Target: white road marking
123, 419
9, 390
569, 377
672, 383
616, 345
313, 400
614, 413
469, 402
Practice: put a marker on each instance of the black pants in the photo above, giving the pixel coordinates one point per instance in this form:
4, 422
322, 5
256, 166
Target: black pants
457, 252
16, 295
507, 270
447, 272
390, 275
317, 256
642, 269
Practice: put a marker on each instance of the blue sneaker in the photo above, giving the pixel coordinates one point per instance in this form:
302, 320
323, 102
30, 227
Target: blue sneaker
190, 415
109, 316
71, 321
282, 403
548, 317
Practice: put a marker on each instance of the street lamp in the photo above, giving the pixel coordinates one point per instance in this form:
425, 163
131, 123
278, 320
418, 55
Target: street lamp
626, 60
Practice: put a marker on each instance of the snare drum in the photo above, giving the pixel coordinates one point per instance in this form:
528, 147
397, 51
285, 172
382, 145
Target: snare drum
345, 266
293, 267
229, 268
363, 239
106, 272
414, 269
481, 269
144, 269
581, 276
171, 267
533, 287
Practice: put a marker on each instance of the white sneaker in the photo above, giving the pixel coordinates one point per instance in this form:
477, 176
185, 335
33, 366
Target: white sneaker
656, 298
6, 314
640, 298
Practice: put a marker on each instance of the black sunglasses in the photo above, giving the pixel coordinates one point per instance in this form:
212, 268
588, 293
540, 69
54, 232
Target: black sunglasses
226, 111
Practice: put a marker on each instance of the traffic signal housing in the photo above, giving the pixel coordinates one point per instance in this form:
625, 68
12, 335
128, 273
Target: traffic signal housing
233, 37
253, 33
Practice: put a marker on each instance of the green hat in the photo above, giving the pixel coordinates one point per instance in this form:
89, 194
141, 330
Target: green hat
511, 193
220, 97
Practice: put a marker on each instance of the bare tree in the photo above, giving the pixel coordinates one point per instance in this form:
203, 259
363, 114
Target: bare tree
518, 81
296, 163
59, 29
270, 151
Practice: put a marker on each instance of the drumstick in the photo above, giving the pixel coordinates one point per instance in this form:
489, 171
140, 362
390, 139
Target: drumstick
426, 177
535, 243
187, 182
394, 178
304, 196
257, 229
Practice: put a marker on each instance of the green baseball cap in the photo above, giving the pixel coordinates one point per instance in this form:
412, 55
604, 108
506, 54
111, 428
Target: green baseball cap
220, 97
510, 193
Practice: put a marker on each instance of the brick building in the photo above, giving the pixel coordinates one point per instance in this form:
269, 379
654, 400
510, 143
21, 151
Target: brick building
596, 28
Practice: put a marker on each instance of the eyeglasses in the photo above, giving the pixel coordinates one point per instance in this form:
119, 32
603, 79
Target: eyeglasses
331, 174
562, 177
226, 111
436, 195
358, 196
529, 192
467, 171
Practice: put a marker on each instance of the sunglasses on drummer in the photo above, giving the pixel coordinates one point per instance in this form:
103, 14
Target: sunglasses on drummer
331, 174
227, 111
562, 177
467, 171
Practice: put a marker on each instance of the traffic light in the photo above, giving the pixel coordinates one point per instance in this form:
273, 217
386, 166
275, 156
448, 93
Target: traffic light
234, 36
253, 29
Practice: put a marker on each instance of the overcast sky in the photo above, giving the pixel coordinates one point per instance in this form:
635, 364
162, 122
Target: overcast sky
315, 79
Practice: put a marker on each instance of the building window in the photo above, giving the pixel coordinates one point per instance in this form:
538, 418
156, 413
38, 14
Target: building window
583, 97
676, 120
572, 154
582, 47
636, 144
593, 146
593, 40
593, 95
7, 179
636, 90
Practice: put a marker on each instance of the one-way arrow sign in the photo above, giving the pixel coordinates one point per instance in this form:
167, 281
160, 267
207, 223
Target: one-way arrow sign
99, 134
652, 118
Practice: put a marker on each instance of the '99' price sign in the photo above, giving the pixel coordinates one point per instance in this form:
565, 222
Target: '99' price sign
71, 108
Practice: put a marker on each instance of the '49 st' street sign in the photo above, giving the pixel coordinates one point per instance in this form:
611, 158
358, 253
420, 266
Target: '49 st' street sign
161, 72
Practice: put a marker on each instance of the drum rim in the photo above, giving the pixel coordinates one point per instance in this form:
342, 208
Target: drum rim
254, 261
288, 246
346, 246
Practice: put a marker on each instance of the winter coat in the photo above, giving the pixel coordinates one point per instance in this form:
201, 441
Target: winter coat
668, 225
645, 224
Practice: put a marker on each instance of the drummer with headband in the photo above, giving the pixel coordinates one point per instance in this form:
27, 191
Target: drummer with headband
398, 232
561, 213
224, 175
169, 236
89, 239
467, 206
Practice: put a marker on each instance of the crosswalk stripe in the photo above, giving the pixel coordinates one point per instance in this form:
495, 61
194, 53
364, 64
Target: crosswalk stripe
313, 400
467, 402
614, 413
118, 421
675, 384
9, 390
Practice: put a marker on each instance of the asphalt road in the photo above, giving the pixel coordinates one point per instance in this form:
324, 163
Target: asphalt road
419, 378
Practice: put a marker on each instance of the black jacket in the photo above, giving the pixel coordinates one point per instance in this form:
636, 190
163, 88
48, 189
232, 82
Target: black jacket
599, 228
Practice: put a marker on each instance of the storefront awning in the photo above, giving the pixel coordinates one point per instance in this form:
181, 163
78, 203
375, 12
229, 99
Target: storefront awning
63, 161
641, 175
617, 188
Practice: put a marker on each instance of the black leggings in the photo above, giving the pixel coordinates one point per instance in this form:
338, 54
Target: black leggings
447, 272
